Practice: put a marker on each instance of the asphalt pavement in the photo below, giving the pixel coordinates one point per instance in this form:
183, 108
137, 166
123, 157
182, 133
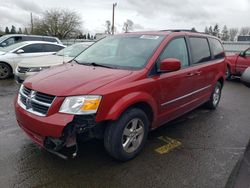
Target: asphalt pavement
199, 149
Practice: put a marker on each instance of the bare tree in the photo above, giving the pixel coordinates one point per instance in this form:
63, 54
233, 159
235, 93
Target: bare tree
233, 33
108, 27
128, 26
61, 23
245, 31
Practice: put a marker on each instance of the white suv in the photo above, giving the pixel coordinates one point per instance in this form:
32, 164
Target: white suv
11, 55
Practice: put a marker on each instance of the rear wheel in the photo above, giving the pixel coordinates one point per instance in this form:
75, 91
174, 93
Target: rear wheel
124, 138
5, 71
215, 96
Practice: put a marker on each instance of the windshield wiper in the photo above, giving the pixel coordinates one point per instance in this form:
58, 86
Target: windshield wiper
101, 65
95, 64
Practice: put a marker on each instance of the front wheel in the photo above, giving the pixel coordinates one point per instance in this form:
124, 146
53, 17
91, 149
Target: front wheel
5, 71
125, 138
215, 96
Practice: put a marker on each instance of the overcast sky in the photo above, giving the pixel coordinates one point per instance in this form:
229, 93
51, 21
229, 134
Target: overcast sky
146, 14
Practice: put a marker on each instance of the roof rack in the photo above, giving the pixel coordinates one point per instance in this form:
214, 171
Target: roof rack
183, 30
180, 30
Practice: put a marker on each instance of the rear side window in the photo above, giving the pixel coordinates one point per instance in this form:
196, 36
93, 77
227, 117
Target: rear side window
33, 48
177, 49
216, 48
200, 50
52, 48
31, 38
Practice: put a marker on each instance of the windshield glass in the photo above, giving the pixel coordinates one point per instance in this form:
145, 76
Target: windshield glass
73, 50
12, 47
128, 52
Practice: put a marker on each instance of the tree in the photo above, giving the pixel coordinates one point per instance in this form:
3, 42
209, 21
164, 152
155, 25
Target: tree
216, 31
19, 31
193, 29
245, 31
88, 36
206, 30
128, 26
1, 32
210, 30
7, 31
225, 34
13, 29
25, 31
108, 27
61, 23
233, 33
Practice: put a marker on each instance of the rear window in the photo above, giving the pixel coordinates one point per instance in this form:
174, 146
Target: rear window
52, 48
200, 50
217, 49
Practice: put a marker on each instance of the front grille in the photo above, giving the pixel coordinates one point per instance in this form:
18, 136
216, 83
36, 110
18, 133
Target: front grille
35, 102
22, 69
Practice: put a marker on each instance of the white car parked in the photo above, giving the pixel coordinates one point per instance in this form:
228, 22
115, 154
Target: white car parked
11, 55
31, 66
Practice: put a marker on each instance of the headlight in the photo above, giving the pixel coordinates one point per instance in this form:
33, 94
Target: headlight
87, 104
36, 69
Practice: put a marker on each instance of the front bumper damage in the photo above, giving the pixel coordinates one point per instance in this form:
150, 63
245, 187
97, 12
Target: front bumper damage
81, 129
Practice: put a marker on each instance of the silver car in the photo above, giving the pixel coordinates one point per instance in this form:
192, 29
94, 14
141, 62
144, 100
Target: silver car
31, 66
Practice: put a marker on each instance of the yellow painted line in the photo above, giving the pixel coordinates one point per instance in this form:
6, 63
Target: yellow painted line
169, 146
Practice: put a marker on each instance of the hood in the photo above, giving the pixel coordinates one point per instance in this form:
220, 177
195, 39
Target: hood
44, 61
73, 79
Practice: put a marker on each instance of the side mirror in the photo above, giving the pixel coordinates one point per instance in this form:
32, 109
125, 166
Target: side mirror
170, 65
3, 44
242, 54
20, 51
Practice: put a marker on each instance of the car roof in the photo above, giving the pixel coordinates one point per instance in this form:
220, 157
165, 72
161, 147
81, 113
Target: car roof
170, 32
40, 42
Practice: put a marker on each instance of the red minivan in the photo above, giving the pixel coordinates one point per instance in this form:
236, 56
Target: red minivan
119, 89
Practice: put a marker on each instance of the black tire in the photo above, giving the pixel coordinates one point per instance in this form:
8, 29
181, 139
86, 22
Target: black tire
215, 97
228, 74
114, 135
5, 70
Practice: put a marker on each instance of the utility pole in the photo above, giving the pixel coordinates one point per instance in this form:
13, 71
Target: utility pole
113, 18
31, 22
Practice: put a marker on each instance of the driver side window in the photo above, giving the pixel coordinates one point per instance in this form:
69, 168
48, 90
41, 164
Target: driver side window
177, 49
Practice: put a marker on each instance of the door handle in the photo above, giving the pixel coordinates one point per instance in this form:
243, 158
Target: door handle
190, 74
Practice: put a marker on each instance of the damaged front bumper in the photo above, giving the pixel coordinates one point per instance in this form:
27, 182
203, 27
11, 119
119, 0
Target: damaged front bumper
59, 133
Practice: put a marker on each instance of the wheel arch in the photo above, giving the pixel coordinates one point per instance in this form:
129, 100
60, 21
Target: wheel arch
139, 100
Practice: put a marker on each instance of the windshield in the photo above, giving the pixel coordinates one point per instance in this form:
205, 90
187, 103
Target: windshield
128, 52
12, 47
73, 50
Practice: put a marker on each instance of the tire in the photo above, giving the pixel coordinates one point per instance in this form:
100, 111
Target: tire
125, 138
215, 97
228, 74
5, 71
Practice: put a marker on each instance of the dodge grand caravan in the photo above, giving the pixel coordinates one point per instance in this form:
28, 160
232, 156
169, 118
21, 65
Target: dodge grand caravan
119, 89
